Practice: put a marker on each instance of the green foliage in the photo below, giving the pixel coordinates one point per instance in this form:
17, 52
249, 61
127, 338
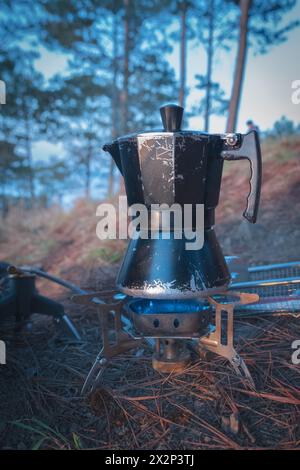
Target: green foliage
105, 254
283, 128
219, 101
267, 27
118, 76
84, 107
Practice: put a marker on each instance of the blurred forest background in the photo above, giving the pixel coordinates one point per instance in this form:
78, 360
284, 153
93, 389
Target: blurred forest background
117, 76
112, 66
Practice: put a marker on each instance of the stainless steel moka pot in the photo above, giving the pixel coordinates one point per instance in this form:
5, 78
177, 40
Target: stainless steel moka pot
184, 167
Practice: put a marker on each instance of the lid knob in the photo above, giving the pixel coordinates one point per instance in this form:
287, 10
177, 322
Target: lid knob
171, 116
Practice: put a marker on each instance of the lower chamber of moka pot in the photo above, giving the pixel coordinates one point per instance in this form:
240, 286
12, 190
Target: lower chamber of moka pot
170, 323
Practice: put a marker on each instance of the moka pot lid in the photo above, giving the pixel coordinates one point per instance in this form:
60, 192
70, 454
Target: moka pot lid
171, 116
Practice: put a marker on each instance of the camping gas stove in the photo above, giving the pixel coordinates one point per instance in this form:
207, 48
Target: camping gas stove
172, 328
174, 294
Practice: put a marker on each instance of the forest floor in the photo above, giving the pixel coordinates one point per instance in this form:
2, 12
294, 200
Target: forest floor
136, 407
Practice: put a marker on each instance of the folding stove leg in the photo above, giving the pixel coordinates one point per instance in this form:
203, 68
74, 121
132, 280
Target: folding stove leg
222, 344
122, 342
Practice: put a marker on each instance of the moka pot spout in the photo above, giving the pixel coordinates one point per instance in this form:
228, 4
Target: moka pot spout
113, 149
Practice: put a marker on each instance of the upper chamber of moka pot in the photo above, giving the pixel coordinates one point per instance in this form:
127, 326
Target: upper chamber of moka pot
168, 167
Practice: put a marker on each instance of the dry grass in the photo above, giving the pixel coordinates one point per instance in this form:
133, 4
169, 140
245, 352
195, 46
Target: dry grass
136, 407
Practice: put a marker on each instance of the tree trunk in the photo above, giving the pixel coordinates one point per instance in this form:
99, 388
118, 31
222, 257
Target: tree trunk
124, 94
114, 113
88, 172
29, 162
210, 52
4, 203
245, 6
183, 14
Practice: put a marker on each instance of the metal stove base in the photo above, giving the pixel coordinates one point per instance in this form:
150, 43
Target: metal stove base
170, 353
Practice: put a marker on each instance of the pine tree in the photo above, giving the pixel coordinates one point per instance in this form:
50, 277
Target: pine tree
132, 80
259, 27
214, 30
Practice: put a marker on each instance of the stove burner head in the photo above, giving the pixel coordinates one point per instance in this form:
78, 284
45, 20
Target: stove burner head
169, 322
169, 318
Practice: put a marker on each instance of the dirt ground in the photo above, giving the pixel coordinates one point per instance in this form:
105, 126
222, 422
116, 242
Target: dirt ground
138, 408
207, 407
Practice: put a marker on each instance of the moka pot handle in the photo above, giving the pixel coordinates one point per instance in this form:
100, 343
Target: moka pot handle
240, 147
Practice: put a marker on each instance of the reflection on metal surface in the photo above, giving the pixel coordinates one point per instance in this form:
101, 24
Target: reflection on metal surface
268, 267
265, 282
